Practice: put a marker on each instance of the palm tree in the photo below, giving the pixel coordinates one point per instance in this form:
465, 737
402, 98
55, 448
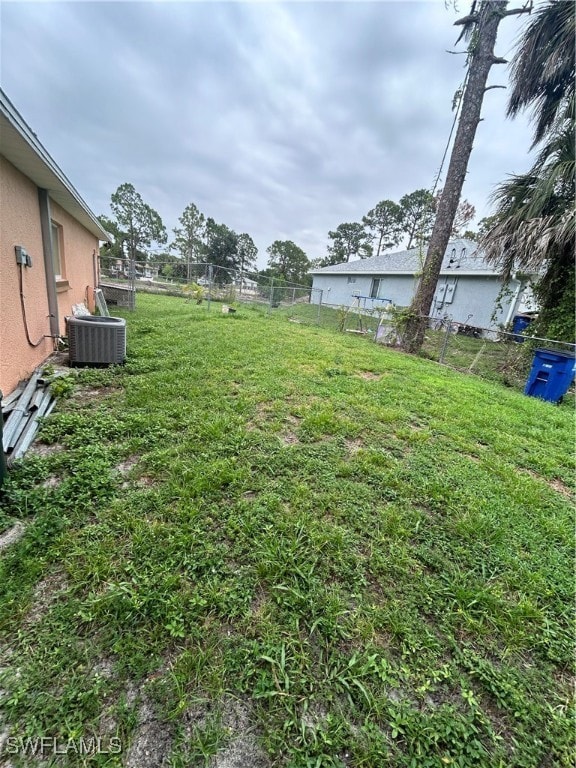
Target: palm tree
535, 224
543, 70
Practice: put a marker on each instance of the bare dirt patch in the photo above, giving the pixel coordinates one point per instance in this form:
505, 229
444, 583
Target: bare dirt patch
259, 603
125, 466
243, 750
104, 667
11, 536
263, 412
555, 483
289, 438
42, 449
152, 742
90, 394
125, 469
353, 446
370, 375
45, 595
559, 486
145, 481
52, 482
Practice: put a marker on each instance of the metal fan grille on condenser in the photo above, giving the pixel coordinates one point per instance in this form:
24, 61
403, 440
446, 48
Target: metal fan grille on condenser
97, 340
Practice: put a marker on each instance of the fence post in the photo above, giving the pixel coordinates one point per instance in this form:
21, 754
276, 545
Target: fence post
271, 295
445, 342
209, 286
319, 306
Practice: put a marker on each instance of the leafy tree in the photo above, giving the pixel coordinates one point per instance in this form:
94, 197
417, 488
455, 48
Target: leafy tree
349, 240
221, 244
140, 224
247, 252
418, 209
169, 265
464, 215
534, 228
384, 222
481, 28
288, 261
484, 226
188, 237
112, 251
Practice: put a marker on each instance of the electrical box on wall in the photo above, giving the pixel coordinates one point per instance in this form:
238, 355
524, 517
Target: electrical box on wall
22, 256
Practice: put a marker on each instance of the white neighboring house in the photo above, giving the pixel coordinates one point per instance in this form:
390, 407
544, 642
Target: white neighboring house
469, 289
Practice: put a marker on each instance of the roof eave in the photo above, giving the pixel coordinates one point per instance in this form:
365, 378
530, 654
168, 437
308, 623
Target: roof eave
21, 147
447, 273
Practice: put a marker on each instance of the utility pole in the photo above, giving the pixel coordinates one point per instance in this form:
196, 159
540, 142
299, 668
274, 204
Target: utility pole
482, 26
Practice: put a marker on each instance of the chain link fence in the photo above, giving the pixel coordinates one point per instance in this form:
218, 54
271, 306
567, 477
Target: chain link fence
212, 286
496, 354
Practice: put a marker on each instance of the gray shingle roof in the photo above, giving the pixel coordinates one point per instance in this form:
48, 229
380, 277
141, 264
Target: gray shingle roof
461, 256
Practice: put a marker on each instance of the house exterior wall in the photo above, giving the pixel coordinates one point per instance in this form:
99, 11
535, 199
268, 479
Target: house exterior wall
78, 248
398, 288
338, 291
474, 300
467, 299
20, 225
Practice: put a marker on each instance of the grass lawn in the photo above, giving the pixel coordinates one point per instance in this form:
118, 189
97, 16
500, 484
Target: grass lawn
263, 544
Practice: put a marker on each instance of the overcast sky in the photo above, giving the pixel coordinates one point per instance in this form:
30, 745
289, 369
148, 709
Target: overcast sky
280, 120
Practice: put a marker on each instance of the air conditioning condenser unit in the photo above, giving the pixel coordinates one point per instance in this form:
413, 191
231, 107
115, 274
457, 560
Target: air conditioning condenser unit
96, 340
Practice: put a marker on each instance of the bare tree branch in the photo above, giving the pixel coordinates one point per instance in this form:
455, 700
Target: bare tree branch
518, 11
471, 19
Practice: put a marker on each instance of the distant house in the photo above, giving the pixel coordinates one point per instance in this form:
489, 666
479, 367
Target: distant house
468, 291
49, 242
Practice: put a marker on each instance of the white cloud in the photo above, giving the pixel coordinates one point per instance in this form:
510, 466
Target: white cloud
279, 120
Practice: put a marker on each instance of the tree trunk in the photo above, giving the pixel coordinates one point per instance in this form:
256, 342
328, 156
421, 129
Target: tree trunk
379, 244
489, 17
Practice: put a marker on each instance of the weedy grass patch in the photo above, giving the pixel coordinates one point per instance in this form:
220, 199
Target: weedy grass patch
264, 542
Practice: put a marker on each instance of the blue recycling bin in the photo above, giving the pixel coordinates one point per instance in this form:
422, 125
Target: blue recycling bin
551, 375
519, 325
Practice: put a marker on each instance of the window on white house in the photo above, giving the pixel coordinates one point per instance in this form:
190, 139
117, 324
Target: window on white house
351, 279
375, 288
57, 250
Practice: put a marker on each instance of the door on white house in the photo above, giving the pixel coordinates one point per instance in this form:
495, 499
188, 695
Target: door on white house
375, 289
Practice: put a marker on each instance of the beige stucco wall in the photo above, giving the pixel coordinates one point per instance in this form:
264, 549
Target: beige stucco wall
79, 247
20, 225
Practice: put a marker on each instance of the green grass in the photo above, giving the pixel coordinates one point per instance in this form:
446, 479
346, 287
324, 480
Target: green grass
366, 556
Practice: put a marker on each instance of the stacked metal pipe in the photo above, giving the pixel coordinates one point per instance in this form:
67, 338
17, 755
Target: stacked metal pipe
21, 411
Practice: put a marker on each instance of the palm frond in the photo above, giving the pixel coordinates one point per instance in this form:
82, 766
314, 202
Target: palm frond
543, 73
